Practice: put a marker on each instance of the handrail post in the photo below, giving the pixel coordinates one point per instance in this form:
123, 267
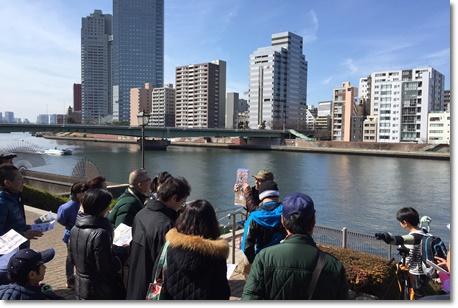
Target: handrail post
389, 252
233, 237
344, 237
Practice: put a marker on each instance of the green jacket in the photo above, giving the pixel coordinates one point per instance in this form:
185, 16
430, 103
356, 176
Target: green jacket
284, 271
125, 209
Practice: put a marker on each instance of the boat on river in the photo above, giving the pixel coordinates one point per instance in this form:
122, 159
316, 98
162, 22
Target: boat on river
58, 152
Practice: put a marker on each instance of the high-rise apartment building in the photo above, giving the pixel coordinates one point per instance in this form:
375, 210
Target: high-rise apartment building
96, 66
324, 108
343, 108
278, 84
140, 100
77, 104
163, 107
43, 119
232, 109
401, 101
201, 95
447, 100
138, 50
439, 127
1, 117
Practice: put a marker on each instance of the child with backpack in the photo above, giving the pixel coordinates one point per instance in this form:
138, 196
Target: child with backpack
409, 220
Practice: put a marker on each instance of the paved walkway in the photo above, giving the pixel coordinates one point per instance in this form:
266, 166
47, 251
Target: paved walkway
55, 272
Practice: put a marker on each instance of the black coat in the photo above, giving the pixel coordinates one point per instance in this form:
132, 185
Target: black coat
14, 291
95, 265
148, 236
196, 268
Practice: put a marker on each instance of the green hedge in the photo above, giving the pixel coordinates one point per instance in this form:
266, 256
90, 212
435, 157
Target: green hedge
370, 274
41, 199
45, 200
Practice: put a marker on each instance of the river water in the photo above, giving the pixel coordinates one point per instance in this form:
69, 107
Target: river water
361, 193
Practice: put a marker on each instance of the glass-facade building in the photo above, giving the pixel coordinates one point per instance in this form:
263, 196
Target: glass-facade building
138, 50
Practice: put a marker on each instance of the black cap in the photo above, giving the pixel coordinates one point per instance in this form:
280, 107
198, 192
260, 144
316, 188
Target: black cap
25, 260
268, 189
7, 155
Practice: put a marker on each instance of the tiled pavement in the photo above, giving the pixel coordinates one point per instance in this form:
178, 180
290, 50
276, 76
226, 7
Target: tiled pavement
55, 272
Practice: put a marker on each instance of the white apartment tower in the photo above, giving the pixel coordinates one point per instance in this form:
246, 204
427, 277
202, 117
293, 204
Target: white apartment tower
278, 84
201, 95
163, 107
400, 100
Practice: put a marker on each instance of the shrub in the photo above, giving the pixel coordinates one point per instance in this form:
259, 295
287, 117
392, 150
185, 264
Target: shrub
42, 199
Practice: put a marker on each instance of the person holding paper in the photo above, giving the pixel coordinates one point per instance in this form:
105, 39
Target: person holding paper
96, 267
251, 194
66, 216
12, 214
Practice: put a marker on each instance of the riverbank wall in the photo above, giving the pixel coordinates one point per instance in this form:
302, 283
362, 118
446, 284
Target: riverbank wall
402, 150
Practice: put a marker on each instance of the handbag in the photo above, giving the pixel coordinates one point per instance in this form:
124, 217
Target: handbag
154, 288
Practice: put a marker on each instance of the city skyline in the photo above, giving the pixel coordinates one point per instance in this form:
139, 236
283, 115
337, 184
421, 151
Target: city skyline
47, 57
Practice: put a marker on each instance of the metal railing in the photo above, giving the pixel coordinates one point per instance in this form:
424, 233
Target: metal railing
324, 236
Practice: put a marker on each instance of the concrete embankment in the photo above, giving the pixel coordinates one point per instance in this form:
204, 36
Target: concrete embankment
373, 149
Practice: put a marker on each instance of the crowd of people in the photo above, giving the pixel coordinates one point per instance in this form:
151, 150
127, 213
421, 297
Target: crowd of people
176, 246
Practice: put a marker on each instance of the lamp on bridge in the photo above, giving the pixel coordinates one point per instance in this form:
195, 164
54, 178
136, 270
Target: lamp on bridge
143, 119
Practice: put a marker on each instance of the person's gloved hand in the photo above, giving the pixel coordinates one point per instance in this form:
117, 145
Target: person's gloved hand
385, 236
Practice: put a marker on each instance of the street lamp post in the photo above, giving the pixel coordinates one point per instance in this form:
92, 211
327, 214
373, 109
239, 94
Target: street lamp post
143, 118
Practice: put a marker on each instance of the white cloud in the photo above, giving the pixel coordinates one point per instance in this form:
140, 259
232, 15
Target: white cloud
309, 34
327, 80
350, 65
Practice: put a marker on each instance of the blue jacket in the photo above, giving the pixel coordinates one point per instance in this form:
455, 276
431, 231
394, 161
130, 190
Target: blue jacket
263, 228
66, 216
14, 291
12, 215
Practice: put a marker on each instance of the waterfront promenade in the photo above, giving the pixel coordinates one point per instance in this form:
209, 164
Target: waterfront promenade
55, 271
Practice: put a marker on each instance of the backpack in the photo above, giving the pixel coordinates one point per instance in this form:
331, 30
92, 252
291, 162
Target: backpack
431, 246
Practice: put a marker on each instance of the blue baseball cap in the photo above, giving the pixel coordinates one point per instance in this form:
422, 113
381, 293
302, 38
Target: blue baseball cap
25, 260
298, 203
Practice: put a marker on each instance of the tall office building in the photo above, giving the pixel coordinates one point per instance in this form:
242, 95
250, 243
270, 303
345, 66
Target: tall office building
138, 50
163, 107
43, 119
447, 100
278, 84
96, 66
343, 109
232, 109
77, 104
201, 95
1, 117
9, 117
400, 100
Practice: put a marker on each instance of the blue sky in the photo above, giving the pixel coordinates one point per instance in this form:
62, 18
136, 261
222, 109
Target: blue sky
343, 40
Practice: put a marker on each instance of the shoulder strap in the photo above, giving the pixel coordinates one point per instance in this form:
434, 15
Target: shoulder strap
162, 261
315, 275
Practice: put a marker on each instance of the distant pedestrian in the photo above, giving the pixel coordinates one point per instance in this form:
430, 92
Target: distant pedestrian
98, 182
26, 270
251, 194
263, 228
285, 271
12, 213
148, 233
66, 216
7, 158
196, 257
132, 200
96, 268
158, 181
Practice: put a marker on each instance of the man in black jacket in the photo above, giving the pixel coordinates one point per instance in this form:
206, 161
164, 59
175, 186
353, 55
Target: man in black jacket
148, 234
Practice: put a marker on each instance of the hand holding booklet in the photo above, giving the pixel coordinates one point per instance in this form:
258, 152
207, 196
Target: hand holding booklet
43, 227
122, 235
10, 241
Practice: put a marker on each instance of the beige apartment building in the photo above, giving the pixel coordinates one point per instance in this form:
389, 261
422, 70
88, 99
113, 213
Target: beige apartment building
439, 127
163, 107
343, 107
370, 129
201, 95
140, 100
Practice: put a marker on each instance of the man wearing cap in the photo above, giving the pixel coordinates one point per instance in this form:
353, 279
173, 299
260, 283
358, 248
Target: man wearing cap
26, 269
251, 194
12, 215
7, 158
284, 271
263, 227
